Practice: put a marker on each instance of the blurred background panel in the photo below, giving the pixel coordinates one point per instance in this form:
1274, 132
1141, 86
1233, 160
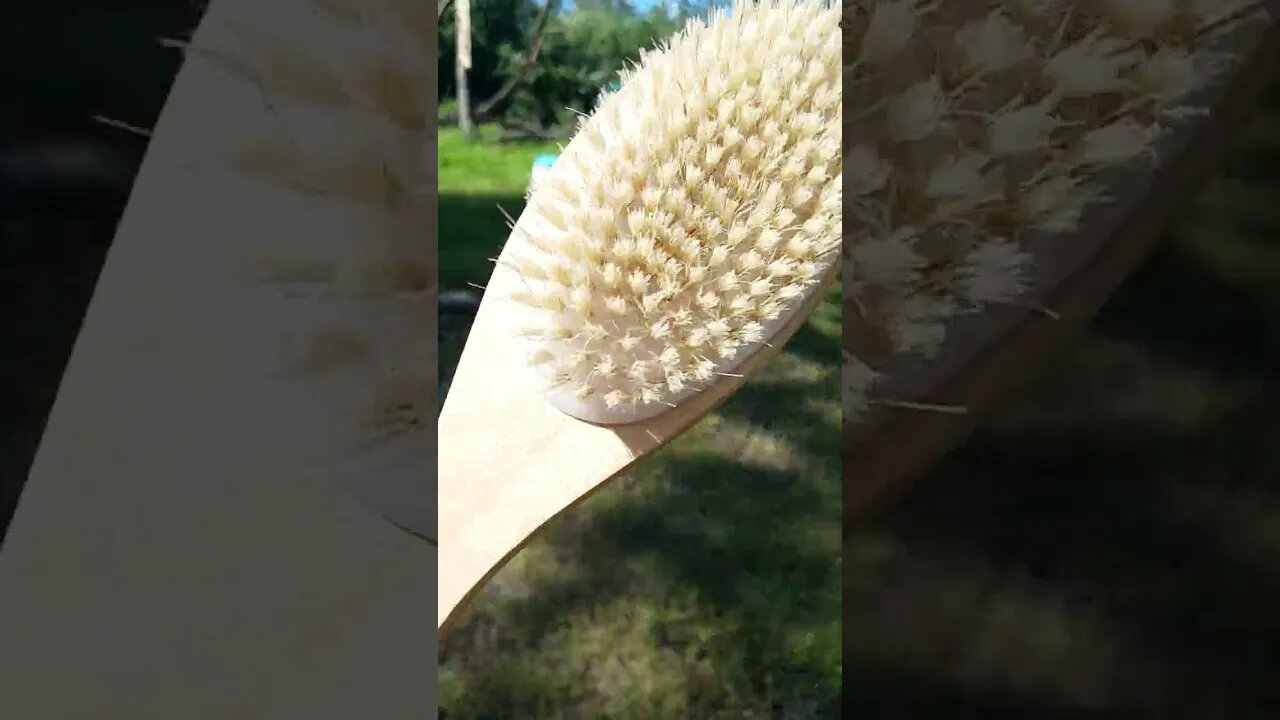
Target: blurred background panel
1108, 544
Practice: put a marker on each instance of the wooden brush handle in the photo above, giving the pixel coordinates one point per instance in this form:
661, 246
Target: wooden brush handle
496, 492
510, 462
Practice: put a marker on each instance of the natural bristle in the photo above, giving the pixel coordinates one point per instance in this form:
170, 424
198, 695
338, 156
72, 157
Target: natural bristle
693, 212
975, 125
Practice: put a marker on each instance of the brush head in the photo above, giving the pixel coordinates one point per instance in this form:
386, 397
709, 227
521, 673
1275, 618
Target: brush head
975, 126
695, 209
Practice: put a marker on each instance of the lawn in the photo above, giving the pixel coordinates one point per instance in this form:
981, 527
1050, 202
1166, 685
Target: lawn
476, 178
705, 583
1109, 545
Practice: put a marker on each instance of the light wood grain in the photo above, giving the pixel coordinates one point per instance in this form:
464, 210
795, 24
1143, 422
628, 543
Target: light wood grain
510, 462
179, 551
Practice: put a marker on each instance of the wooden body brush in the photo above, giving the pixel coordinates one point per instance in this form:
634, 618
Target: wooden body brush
182, 548
682, 237
1105, 117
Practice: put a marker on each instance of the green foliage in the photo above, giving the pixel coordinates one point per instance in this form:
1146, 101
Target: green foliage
582, 51
497, 26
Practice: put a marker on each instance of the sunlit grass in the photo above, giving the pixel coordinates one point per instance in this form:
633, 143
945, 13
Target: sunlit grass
484, 166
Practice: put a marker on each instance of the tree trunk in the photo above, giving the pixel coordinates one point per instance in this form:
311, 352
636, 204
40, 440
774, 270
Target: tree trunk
465, 116
462, 9
464, 104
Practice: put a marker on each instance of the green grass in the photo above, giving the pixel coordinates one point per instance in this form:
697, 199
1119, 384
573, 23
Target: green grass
1109, 544
704, 584
476, 178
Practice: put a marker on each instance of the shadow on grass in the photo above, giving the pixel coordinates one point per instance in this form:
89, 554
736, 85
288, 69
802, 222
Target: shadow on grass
812, 341
887, 691
472, 230
1177, 309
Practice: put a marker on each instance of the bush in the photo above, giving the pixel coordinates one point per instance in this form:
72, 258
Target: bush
582, 52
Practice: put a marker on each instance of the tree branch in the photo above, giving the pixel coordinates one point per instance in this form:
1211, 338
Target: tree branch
531, 59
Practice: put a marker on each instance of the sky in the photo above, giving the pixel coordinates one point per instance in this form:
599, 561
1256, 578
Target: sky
641, 5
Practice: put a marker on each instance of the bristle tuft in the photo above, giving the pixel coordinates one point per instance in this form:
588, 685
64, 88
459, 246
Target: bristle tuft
697, 207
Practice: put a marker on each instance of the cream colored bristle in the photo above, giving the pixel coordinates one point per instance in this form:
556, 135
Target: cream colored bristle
361, 71
697, 207
973, 126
